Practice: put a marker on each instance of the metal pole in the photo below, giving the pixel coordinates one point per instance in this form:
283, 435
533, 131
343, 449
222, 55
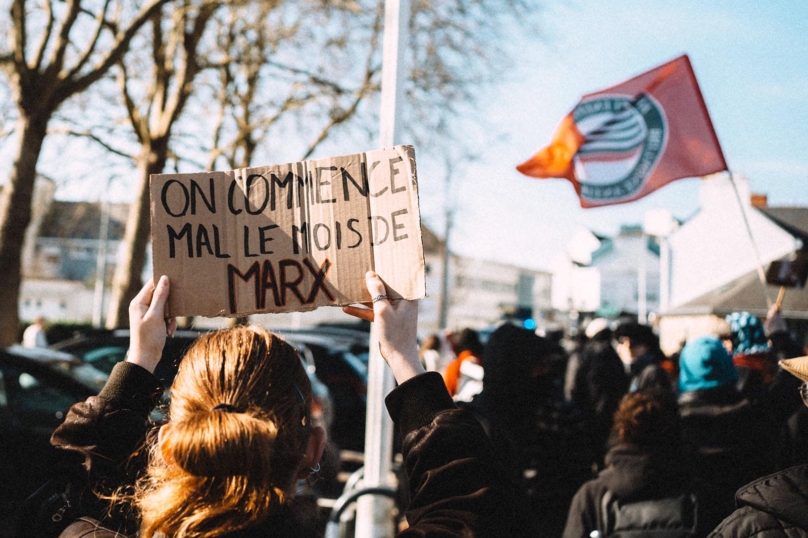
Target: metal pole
101, 264
373, 512
443, 314
760, 271
642, 305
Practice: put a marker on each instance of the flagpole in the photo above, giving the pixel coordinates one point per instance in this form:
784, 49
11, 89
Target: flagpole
760, 271
373, 511
741, 205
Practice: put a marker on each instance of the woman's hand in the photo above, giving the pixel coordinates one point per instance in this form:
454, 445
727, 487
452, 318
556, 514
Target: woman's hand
148, 326
396, 326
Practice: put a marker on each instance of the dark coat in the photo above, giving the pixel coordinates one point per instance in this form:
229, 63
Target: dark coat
729, 440
648, 374
598, 385
775, 506
634, 474
456, 486
539, 436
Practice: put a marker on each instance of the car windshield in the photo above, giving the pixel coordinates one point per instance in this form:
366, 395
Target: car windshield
84, 373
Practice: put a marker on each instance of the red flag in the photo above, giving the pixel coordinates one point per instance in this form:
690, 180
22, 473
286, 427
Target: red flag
624, 142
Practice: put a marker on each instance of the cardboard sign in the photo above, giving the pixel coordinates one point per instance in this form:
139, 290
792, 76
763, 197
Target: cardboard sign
290, 237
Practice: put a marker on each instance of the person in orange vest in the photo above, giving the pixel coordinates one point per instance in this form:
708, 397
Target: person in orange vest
467, 347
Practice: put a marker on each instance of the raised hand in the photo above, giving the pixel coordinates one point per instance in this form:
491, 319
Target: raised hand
148, 326
396, 324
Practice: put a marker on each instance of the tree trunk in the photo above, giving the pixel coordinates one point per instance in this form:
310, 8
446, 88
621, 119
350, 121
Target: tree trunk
127, 281
15, 214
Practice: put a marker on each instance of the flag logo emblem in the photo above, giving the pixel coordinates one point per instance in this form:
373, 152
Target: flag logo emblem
625, 138
624, 142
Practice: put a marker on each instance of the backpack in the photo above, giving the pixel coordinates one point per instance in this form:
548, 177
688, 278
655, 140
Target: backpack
50, 509
87, 527
667, 517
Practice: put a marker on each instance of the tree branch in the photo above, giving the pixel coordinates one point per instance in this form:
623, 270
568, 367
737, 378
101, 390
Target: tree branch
20, 39
115, 53
56, 61
88, 50
46, 35
131, 109
95, 138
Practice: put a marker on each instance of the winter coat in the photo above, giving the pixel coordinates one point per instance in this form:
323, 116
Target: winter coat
774, 506
539, 436
729, 440
656, 479
456, 487
647, 373
598, 385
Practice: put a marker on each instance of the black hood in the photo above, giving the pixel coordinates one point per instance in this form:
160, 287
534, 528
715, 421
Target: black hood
511, 359
643, 473
784, 495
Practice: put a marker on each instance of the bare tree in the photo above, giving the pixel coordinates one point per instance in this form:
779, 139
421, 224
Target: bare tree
311, 68
46, 63
153, 109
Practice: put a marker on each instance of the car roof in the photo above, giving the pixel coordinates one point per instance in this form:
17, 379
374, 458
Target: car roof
61, 368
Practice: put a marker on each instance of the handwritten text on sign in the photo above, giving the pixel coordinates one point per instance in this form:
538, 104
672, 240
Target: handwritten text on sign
289, 237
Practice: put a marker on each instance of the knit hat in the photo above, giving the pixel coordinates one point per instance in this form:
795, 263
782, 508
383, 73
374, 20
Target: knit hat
748, 335
705, 364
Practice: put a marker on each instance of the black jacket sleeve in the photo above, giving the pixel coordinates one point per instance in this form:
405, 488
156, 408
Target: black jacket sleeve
456, 485
103, 432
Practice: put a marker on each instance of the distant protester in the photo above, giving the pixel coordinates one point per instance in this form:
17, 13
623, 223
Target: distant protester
646, 489
751, 354
34, 334
730, 440
538, 435
597, 381
466, 347
638, 348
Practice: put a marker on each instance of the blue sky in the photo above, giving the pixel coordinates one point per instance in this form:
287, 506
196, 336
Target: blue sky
751, 59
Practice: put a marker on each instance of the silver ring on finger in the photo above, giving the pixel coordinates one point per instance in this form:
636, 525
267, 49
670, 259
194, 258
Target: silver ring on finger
379, 297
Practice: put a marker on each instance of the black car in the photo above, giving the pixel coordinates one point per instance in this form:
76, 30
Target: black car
341, 362
105, 348
37, 387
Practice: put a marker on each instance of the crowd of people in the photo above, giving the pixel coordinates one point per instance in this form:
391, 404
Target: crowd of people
509, 435
611, 437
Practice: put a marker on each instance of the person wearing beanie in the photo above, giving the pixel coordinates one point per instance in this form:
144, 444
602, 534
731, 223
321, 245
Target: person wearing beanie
728, 438
749, 346
775, 506
638, 348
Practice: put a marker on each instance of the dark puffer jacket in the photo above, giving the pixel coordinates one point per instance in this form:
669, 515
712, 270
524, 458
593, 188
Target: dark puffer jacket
729, 440
775, 506
635, 475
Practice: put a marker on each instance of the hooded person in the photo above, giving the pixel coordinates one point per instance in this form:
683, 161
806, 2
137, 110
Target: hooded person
538, 435
775, 506
728, 438
646, 489
595, 382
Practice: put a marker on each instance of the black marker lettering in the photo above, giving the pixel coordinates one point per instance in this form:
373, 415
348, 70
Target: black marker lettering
397, 226
172, 235
164, 198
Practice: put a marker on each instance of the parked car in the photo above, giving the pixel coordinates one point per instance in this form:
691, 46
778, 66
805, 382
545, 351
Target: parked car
37, 387
342, 364
105, 348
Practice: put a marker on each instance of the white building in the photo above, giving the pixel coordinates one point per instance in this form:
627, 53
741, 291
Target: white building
608, 275
712, 267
